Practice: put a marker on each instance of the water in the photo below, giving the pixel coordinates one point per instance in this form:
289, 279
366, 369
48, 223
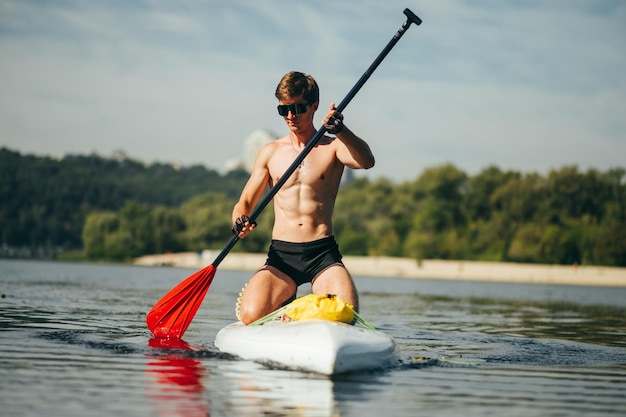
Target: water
73, 343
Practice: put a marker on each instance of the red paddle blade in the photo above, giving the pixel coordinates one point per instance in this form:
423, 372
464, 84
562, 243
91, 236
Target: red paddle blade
171, 315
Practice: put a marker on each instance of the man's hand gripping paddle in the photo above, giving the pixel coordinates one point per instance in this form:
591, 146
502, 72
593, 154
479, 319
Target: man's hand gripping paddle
171, 315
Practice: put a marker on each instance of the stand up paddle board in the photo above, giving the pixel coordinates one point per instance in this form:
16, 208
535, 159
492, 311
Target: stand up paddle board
320, 346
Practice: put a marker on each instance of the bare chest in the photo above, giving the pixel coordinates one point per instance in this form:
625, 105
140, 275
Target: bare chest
320, 168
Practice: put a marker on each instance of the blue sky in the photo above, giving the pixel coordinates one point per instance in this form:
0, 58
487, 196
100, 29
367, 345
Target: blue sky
525, 85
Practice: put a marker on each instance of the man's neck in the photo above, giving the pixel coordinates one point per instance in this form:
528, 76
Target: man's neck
303, 137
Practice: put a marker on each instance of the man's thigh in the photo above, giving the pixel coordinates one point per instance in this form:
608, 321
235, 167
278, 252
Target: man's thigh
336, 280
267, 290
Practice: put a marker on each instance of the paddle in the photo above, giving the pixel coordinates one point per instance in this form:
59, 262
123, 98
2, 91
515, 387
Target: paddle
171, 315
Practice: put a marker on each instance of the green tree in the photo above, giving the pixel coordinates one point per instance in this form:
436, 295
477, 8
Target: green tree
526, 243
167, 230
207, 219
135, 235
479, 189
438, 218
98, 226
604, 244
366, 218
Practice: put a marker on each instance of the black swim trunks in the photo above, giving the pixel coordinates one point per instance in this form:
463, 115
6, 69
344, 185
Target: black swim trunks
303, 261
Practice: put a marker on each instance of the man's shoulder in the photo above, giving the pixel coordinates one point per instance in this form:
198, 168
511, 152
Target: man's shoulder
273, 145
327, 140
274, 149
277, 143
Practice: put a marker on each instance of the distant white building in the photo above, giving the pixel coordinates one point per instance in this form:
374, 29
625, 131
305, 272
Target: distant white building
253, 145
234, 164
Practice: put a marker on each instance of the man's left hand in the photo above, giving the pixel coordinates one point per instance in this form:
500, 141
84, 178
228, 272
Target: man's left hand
333, 122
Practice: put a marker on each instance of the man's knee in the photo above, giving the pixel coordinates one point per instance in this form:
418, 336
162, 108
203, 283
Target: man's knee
248, 315
261, 298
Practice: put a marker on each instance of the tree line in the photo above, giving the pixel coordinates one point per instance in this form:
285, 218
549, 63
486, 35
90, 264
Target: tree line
564, 217
118, 208
44, 201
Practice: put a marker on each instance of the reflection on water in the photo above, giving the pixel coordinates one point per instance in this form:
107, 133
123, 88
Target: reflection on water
255, 390
181, 386
73, 342
178, 388
597, 324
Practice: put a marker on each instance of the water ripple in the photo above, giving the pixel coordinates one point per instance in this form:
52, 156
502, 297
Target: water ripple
73, 342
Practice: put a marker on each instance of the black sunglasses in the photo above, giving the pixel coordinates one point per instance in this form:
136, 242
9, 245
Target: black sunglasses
295, 109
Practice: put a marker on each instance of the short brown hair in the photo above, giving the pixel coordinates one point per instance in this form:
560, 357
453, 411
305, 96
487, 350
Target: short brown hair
296, 83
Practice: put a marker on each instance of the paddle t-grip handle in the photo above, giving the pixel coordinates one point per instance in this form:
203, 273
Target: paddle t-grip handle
411, 18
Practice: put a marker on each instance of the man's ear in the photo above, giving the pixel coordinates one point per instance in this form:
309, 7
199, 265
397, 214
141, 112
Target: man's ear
315, 105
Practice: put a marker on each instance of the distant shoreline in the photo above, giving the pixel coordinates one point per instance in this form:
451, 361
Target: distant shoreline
426, 269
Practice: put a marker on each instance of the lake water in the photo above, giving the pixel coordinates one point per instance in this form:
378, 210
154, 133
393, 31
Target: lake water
73, 342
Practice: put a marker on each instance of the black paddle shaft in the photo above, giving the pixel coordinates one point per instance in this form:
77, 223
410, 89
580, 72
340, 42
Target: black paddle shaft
411, 18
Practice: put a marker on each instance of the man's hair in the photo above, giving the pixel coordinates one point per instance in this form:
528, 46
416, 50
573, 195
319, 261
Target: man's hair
295, 83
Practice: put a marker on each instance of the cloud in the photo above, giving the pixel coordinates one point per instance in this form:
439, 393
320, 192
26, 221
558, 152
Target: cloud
528, 86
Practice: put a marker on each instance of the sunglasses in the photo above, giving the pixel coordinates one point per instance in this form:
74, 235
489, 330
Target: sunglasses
295, 109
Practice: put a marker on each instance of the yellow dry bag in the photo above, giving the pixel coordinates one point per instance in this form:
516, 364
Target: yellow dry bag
320, 306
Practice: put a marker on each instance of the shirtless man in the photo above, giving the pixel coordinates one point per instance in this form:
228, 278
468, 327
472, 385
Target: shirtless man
303, 247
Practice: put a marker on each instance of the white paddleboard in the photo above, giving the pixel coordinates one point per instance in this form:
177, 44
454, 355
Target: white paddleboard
321, 346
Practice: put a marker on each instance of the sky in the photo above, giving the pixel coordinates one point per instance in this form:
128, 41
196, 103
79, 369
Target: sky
529, 85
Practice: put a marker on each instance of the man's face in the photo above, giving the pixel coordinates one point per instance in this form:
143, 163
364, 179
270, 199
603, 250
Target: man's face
297, 112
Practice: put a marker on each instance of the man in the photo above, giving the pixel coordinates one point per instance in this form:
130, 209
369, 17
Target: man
303, 247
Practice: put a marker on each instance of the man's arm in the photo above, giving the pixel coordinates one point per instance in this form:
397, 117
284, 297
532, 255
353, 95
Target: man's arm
355, 153
252, 192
